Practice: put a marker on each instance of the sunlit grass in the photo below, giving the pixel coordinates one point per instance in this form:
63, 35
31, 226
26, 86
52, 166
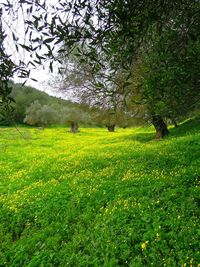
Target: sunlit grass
99, 198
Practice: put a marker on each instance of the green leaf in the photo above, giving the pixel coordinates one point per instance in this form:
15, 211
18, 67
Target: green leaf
26, 47
48, 40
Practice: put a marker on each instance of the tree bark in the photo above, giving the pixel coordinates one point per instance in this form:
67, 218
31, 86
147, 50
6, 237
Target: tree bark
174, 122
74, 127
160, 126
111, 128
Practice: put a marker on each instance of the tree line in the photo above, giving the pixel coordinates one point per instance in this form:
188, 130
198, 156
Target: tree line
36, 108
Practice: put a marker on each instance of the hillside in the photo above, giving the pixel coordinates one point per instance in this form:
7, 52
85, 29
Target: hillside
99, 198
24, 96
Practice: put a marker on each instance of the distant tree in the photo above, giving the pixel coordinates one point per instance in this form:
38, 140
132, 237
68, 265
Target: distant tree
24, 96
33, 114
74, 116
48, 115
94, 89
107, 118
41, 115
110, 118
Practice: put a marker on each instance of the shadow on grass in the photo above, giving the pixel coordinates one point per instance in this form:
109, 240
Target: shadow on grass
145, 135
190, 126
142, 137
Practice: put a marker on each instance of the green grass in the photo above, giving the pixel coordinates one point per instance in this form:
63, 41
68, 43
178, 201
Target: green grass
99, 198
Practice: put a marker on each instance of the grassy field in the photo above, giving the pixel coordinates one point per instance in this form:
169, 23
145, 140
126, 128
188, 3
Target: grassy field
99, 198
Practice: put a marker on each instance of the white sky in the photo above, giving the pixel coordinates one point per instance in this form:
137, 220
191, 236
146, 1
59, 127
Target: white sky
41, 73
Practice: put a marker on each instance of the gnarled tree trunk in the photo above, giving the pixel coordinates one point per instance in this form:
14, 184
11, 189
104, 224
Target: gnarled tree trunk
74, 127
111, 128
160, 126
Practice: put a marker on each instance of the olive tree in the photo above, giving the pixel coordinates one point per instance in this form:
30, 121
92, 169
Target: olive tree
41, 115
74, 117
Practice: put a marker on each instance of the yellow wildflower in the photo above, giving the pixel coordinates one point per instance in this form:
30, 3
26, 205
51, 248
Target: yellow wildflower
144, 245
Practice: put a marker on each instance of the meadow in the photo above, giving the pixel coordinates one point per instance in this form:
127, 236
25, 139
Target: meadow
98, 198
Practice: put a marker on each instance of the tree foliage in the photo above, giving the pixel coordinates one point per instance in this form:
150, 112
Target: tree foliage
48, 114
40, 115
6, 71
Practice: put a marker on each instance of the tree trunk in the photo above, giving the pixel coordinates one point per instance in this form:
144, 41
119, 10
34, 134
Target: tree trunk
111, 128
74, 127
174, 122
160, 126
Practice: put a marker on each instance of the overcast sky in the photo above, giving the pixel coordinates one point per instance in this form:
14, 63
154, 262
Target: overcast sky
41, 73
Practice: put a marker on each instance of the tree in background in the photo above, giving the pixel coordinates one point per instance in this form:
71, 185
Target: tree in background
24, 96
110, 118
74, 117
41, 115
95, 90
45, 115
107, 118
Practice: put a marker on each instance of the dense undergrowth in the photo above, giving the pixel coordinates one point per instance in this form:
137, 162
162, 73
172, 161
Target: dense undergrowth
99, 198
